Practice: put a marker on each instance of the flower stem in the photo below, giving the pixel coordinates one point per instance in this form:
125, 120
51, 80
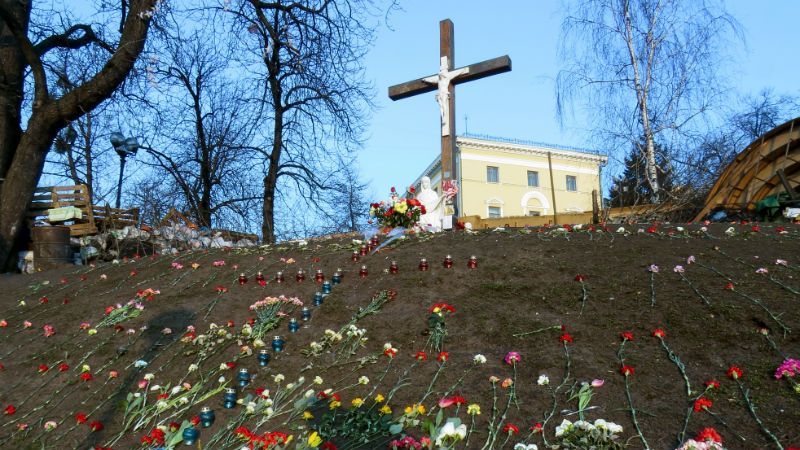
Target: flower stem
752, 410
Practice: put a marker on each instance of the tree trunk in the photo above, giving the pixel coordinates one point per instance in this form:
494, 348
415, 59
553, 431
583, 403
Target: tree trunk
11, 91
23, 175
271, 181
50, 115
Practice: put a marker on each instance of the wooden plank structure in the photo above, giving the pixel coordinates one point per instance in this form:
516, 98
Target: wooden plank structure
766, 167
94, 218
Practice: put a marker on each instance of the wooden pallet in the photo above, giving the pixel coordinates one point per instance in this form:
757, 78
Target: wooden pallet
108, 218
50, 197
95, 218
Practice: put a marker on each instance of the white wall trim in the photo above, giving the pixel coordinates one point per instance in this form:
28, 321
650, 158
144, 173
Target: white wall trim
538, 196
523, 163
494, 201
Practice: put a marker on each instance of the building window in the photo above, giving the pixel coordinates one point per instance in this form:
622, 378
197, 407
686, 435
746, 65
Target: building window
492, 174
572, 183
534, 213
533, 178
494, 212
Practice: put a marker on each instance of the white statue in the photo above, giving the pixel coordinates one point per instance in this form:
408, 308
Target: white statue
432, 219
442, 81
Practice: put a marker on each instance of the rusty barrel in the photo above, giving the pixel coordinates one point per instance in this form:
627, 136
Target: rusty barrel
51, 247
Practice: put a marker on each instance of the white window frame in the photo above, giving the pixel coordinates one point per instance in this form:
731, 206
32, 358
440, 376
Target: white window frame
497, 172
529, 178
567, 183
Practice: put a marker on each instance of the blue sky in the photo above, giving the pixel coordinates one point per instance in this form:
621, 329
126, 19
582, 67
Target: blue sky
403, 135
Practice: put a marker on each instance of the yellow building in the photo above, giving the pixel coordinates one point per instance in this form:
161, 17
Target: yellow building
503, 177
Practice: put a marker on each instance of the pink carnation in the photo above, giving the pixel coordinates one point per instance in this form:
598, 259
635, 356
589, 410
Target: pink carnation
789, 368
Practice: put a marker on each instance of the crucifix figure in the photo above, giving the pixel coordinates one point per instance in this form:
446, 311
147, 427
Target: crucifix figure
444, 84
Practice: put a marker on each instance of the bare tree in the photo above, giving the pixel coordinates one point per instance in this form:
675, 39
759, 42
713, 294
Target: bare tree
643, 68
311, 69
748, 119
200, 125
23, 151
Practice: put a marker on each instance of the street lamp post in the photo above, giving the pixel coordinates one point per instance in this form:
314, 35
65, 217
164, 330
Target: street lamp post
124, 147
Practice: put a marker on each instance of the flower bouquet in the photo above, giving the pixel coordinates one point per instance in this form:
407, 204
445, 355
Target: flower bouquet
397, 212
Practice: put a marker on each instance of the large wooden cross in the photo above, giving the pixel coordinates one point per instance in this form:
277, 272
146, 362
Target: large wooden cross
444, 83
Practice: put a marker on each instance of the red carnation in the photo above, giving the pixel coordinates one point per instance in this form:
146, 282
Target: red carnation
580, 278
63, 367
659, 333
734, 372
566, 337
443, 356
81, 418
195, 420
537, 427
702, 403
510, 428
626, 370
708, 434
10, 410
626, 336
43, 368
86, 376
421, 356
96, 426
712, 384
729, 286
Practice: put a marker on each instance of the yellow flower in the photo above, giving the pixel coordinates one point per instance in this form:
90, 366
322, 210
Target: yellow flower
401, 207
415, 408
379, 398
385, 409
314, 440
92, 332
335, 404
307, 415
437, 309
474, 409
195, 265
357, 402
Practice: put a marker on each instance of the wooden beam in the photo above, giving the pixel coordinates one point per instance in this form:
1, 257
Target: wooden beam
483, 69
476, 71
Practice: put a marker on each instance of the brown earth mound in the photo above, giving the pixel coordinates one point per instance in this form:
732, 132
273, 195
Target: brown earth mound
525, 283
